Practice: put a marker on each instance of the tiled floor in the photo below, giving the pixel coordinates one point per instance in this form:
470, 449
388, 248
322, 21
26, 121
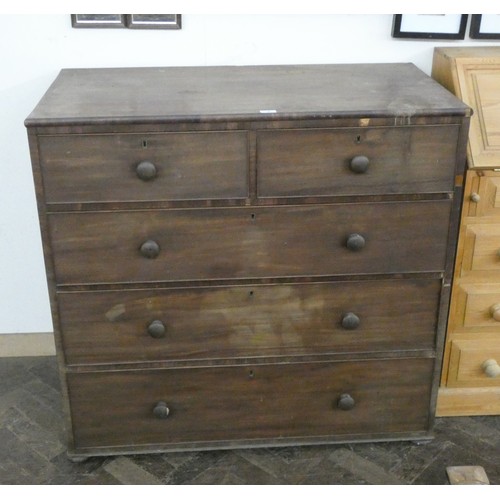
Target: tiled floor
32, 449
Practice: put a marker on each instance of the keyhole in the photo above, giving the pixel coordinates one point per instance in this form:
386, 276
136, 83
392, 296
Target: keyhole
358, 139
144, 144
251, 374
250, 293
252, 216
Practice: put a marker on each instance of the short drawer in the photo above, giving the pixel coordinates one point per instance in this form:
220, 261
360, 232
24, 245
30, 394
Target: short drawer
481, 249
250, 402
242, 321
476, 307
144, 167
260, 242
356, 161
474, 363
483, 195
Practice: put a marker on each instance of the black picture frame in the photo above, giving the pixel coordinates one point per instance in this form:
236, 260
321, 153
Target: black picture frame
424, 33
476, 30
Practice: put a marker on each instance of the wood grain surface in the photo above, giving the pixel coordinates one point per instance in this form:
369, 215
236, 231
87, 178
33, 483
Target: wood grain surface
259, 320
250, 402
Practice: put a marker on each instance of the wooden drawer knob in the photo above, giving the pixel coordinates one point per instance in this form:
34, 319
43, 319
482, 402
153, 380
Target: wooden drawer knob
359, 164
146, 171
346, 402
350, 321
475, 197
495, 312
355, 242
150, 249
157, 329
161, 410
491, 368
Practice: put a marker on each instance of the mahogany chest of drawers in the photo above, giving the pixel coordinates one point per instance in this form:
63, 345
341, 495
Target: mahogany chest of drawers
248, 256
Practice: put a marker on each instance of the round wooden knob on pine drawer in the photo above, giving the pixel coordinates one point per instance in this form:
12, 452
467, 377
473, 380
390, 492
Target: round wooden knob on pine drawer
495, 312
346, 402
359, 164
355, 242
475, 198
157, 329
491, 368
146, 171
150, 249
161, 410
350, 321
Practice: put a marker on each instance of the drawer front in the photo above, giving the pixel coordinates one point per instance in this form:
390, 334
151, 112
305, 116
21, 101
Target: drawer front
477, 306
318, 162
105, 168
481, 249
249, 402
249, 242
483, 198
224, 322
474, 363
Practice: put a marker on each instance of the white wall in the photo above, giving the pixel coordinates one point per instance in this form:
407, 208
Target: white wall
34, 49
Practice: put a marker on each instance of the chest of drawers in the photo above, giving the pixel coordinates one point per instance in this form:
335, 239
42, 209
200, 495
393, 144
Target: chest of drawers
470, 383
247, 256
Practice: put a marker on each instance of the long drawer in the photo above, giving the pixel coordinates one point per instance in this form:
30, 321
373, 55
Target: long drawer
356, 161
239, 321
198, 244
248, 402
144, 167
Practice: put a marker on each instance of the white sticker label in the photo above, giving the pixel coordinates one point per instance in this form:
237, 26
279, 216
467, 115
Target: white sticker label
268, 111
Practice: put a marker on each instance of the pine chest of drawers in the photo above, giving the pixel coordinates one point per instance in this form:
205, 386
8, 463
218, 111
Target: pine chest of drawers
247, 256
470, 382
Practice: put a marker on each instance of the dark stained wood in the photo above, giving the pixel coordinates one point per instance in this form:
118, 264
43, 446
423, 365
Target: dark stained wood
250, 402
251, 206
249, 242
121, 95
94, 168
317, 162
227, 322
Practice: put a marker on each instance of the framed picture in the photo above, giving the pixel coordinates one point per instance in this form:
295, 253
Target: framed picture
134, 21
98, 20
154, 21
429, 26
485, 26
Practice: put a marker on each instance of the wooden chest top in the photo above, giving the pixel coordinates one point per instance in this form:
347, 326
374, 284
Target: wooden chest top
149, 95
